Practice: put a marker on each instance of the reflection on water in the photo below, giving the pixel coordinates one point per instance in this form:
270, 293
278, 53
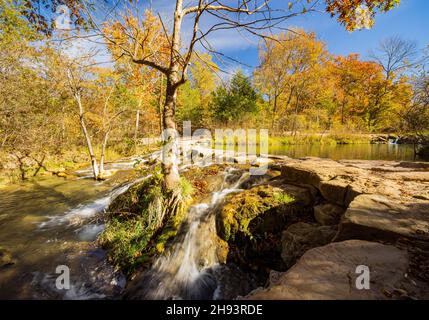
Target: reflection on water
392, 152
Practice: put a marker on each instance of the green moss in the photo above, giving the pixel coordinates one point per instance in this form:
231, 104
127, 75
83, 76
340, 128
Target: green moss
128, 231
125, 241
243, 207
132, 234
187, 187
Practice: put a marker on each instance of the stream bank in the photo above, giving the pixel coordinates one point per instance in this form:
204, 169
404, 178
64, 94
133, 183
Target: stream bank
297, 232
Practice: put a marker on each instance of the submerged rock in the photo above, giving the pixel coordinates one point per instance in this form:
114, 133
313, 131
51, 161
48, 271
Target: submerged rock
6, 258
329, 272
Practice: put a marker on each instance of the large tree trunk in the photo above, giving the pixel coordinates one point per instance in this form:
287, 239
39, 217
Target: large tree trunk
170, 163
160, 106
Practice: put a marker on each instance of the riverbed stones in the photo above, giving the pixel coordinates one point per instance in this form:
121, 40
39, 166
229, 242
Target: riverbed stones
377, 217
329, 272
300, 237
328, 214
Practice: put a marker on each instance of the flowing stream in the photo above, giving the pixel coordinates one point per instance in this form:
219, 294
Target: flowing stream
51, 222
185, 271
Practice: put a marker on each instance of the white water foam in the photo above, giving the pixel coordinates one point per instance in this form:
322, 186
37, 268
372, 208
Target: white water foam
85, 211
181, 273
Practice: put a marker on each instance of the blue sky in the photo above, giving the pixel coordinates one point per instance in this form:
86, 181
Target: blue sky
410, 21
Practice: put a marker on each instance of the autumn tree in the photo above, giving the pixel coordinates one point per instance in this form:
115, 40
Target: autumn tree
195, 96
29, 98
135, 39
290, 65
100, 100
414, 116
358, 86
165, 45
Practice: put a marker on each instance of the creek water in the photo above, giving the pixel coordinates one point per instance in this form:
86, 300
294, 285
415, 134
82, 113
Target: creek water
53, 221
185, 271
50, 222
393, 152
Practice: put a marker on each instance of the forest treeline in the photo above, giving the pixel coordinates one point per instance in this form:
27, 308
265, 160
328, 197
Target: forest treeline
300, 86
55, 104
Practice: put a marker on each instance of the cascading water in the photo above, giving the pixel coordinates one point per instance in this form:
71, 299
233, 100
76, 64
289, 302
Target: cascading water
183, 272
84, 211
49, 222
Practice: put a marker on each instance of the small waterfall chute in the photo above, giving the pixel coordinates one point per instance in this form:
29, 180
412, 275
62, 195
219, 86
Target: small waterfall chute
183, 272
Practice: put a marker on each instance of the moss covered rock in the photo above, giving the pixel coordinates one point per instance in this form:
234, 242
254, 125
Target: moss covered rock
138, 227
131, 236
240, 209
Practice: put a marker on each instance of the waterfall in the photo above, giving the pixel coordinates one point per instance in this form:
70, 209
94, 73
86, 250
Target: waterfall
85, 211
182, 272
393, 141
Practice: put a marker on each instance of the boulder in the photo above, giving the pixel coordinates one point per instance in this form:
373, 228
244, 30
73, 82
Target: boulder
304, 195
248, 211
329, 272
300, 237
254, 180
335, 191
376, 217
261, 161
328, 214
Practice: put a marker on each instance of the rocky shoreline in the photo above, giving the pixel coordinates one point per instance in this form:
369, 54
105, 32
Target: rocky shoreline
371, 213
301, 230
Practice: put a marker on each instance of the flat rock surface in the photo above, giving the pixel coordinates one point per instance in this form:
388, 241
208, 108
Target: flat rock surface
300, 237
329, 272
377, 217
341, 181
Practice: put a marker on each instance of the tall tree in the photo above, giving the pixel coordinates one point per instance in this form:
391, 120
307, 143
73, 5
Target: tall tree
289, 65
253, 16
